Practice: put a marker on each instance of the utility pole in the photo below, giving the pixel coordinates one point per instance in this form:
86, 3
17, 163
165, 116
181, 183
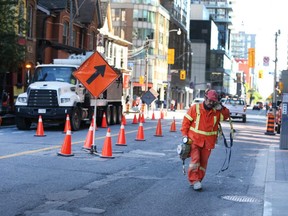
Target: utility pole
146, 63
275, 74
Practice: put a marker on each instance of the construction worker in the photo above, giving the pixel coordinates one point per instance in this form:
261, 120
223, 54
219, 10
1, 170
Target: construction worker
200, 128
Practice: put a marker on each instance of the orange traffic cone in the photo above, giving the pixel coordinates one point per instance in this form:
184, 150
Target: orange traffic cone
159, 129
173, 126
140, 133
153, 116
121, 137
134, 120
89, 138
161, 114
67, 124
66, 147
104, 121
107, 146
270, 124
40, 130
123, 120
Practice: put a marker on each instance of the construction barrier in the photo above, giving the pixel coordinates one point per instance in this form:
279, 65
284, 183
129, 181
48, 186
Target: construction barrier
270, 124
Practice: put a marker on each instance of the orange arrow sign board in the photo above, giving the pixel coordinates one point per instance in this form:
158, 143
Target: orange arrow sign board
96, 74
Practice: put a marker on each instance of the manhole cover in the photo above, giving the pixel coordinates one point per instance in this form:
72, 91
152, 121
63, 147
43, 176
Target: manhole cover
236, 198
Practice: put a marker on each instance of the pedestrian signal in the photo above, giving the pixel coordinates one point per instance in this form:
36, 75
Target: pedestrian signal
182, 75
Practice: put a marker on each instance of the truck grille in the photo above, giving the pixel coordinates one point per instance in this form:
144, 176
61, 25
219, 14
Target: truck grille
42, 98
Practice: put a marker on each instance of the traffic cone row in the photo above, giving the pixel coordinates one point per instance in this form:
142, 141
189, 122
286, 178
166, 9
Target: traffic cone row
66, 149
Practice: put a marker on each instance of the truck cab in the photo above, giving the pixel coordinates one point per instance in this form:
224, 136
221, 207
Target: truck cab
54, 92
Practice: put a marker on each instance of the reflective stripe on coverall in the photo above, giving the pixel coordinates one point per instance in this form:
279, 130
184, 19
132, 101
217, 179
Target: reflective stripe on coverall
201, 126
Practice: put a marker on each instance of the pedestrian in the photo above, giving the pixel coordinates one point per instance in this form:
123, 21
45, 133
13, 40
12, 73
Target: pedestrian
200, 128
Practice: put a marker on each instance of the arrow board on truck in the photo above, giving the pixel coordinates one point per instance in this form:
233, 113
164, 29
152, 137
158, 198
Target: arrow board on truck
96, 74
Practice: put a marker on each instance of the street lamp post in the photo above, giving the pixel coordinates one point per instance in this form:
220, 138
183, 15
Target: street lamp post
169, 72
275, 73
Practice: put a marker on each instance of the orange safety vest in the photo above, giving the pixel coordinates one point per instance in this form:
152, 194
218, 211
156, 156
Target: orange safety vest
201, 125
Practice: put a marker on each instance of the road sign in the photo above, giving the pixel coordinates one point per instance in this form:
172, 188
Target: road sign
148, 97
96, 74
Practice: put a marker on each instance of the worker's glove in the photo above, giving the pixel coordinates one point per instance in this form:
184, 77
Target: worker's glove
218, 106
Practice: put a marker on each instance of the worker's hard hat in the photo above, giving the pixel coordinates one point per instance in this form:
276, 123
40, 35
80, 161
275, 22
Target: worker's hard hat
212, 95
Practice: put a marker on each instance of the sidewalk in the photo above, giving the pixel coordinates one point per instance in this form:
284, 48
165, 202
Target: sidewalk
276, 182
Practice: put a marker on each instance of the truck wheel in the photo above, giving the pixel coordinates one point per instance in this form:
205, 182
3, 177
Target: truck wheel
119, 115
114, 115
23, 123
75, 119
108, 115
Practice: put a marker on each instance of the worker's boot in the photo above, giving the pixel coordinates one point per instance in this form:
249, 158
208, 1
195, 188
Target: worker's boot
197, 185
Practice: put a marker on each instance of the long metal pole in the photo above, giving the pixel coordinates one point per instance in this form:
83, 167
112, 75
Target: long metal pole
275, 75
146, 73
168, 87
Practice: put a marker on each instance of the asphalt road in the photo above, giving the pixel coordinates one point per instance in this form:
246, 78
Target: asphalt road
144, 178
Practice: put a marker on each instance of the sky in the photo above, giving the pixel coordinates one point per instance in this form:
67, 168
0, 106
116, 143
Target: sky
264, 18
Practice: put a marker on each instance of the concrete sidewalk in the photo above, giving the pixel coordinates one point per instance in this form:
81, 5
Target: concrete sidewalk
276, 182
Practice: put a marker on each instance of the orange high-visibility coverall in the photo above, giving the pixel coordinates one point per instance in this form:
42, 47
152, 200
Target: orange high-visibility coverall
203, 131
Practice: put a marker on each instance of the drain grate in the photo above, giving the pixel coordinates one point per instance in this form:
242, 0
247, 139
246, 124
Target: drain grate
243, 199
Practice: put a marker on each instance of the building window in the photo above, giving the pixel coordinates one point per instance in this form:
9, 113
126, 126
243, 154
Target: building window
30, 21
21, 27
65, 33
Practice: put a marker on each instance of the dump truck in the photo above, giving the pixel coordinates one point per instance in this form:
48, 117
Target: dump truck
54, 92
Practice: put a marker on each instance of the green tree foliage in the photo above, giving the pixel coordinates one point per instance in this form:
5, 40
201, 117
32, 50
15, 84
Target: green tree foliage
12, 26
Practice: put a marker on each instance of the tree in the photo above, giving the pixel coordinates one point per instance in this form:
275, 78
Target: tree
12, 27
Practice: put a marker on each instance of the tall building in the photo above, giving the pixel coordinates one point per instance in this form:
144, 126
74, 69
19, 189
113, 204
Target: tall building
218, 60
146, 25
179, 87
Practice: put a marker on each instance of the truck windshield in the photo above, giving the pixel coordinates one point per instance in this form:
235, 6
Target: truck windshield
59, 73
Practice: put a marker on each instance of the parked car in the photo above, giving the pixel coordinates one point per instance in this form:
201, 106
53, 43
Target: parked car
237, 108
197, 101
258, 106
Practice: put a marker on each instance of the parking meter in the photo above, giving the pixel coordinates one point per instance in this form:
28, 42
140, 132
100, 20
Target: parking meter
284, 123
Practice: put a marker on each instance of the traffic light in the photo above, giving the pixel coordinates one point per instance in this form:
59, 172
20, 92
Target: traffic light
182, 74
281, 86
251, 57
171, 56
141, 80
260, 74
